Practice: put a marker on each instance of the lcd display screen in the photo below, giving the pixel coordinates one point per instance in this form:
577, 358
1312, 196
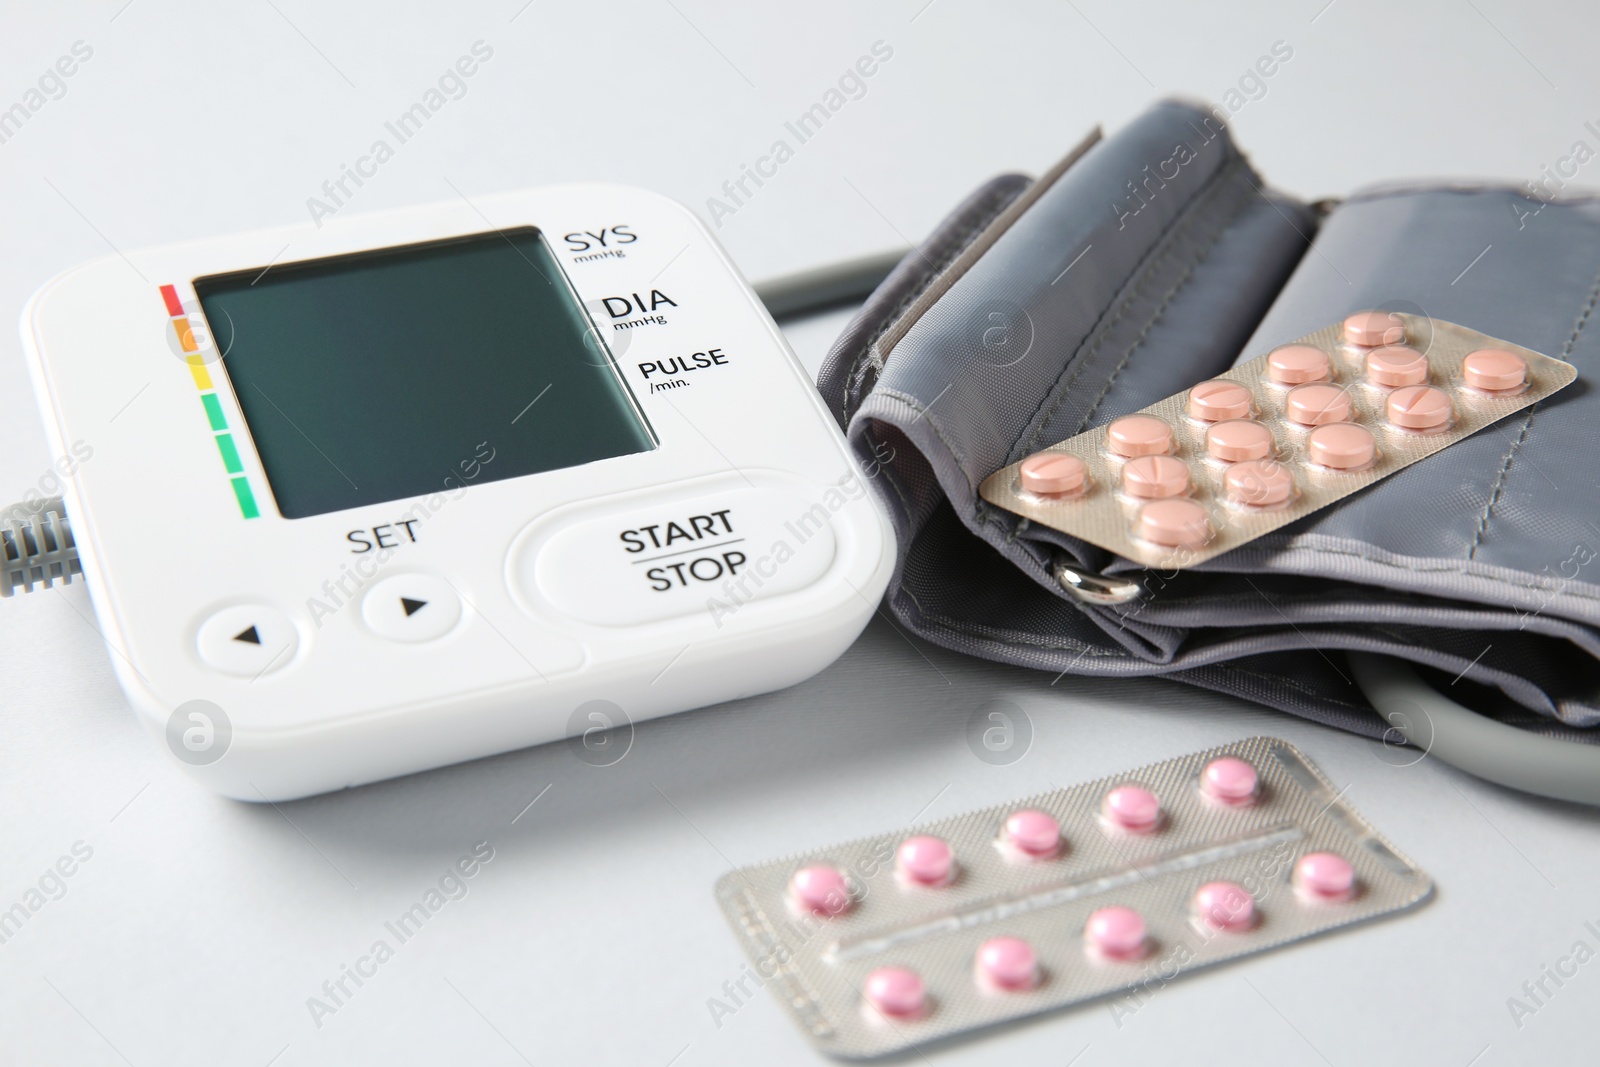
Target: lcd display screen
403, 372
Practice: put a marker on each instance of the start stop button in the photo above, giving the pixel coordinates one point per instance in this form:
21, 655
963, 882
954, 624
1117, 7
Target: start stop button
712, 553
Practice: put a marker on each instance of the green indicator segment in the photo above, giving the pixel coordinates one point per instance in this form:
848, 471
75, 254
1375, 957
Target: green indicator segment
247, 499
230, 454
214, 412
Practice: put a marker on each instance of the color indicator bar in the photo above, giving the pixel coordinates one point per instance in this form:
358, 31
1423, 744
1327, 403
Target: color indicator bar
247, 500
197, 369
215, 416
185, 333
230, 454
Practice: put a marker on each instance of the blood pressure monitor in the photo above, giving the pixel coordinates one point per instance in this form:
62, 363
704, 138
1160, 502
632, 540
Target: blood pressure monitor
412, 488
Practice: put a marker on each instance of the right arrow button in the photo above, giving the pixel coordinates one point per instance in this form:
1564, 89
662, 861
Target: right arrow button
393, 608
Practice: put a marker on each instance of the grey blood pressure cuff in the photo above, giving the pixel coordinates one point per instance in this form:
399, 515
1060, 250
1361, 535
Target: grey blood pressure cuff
1155, 259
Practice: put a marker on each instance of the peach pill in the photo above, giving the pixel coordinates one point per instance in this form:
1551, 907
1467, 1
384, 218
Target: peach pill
1316, 404
1258, 483
1155, 477
1298, 364
1397, 365
1052, 474
1138, 435
1219, 399
1419, 407
1494, 370
1175, 523
1343, 446
1236, 439
1369, 328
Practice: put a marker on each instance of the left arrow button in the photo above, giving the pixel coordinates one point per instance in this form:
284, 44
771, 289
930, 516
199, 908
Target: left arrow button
247, 640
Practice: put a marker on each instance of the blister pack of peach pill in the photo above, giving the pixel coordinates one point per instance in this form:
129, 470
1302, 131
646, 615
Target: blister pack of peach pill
1103, 890
1275, 438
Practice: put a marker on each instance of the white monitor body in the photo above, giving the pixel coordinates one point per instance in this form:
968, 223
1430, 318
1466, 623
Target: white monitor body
741, 554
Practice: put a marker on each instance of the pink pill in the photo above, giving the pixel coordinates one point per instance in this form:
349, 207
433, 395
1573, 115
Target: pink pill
1419, 407
924, 860
1219, 399
1116, 931
1316, 404
1007, 963
1176, 523
1343, 446
1131, 807
1225, 906
1324, 876
1228, 778
1138, 435
1494, 370
1397, 365
1033, 832
821, 890
1374, 328
1154, 477
1052, 473
1298, 364
895, 991
1259, 483
1237, 439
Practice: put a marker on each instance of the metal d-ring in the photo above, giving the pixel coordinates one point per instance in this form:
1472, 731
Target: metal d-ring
1092, 588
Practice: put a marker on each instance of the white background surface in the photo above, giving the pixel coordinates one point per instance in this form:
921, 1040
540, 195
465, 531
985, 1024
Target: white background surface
199, 927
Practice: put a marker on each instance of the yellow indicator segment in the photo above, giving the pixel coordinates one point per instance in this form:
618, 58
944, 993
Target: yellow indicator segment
197, 367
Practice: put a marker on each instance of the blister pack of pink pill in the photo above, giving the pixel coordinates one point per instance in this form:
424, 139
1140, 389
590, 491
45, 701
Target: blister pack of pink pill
1117, 887
1275, 438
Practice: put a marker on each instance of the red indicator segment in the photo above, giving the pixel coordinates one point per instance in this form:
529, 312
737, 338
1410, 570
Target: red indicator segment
174, 305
